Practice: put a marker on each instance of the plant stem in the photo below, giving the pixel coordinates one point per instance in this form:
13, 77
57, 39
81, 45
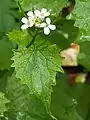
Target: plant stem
54, 118
20, 7
32, 41
28, 30
41, 44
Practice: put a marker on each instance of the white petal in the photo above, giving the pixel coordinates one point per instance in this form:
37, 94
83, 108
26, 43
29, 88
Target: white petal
46, 30
46, 14
37, 13
43, 10
43, 25
48, 21
41, 17
23, 27
24, 20
52, 27
30, 14
31, 24
30, 19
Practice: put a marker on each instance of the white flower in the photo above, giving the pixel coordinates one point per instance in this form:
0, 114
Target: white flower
30, 14
36, 18
27, 23
42, 14
47, 26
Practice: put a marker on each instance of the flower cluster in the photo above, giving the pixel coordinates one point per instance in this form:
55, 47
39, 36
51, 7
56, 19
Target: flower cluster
38, 19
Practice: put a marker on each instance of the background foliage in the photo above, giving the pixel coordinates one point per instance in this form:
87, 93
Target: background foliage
68, 102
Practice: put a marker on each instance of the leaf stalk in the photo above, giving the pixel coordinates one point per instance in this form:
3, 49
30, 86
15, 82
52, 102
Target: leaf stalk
20, 7
33, 40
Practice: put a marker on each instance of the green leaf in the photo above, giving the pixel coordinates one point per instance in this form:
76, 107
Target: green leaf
3, 101
81, 14
5, 53
20, 37
3, 80
37, 69
84, 55
63, 106
55, 6
7, 21
4, 74
80, 93
23, 106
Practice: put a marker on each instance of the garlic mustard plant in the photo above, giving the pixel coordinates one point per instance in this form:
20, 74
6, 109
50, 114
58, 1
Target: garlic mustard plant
38, 19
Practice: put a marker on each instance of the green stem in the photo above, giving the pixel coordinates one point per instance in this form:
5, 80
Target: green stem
32, 41
57, 18
54, 118
29, 32
20, 7
41, 44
